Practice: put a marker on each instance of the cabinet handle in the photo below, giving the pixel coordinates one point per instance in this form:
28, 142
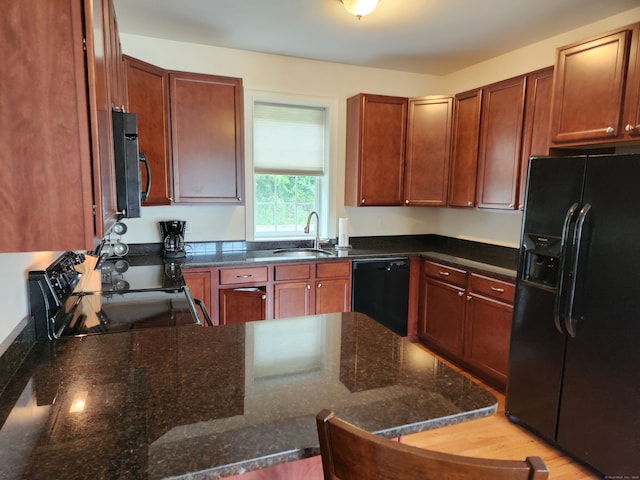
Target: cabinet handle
264, 297
406, 202
497, 290
308, 287
470, 203
629, 128
609, 130
469, 297
244, 276
362, 201
460, 294
444, 274
239, 199
319, 285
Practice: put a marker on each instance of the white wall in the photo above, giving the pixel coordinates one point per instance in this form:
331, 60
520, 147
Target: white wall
281, 74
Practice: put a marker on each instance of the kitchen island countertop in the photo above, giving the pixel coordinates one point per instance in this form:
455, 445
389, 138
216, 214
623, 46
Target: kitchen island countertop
194, 402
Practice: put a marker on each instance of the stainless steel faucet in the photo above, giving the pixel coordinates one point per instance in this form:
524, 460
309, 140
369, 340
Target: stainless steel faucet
316, 243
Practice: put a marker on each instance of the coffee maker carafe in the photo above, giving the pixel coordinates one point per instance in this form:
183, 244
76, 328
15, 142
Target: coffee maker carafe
173, 238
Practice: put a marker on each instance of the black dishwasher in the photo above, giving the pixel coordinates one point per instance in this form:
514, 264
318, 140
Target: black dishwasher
381, 290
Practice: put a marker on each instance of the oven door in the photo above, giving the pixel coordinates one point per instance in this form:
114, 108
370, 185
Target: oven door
111, 312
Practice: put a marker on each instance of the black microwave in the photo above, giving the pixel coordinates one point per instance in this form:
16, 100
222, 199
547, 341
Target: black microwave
128, 159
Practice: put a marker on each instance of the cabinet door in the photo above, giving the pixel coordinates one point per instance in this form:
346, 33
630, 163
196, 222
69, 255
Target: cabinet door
464, 155
199, 282
375, 151
100, 74
116, 58
631, 116
206, 138
238, 305
487, 337
333, 295
500, 139
535, 132
428, 151
292, 299
148, 97
588, 89
44, 135
442, 316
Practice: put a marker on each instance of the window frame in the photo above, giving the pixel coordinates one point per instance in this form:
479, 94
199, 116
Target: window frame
327, 183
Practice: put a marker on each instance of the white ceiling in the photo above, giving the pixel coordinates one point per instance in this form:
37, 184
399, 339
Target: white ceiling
423, 36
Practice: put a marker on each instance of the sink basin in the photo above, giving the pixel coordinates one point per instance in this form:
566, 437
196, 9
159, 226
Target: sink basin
303, 252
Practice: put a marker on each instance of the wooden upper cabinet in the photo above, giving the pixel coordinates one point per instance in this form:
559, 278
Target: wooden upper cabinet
116, 59
631, 112
102, 74
535, 132
148, 97
500, 140
375, 150
595, 90
57, 145
428, 151
207, 138
464, 155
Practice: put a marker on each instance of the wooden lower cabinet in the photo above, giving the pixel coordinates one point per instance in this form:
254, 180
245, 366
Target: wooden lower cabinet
467, 318
443, 316
488, 335
308, 468
333, 287
320, 288
292, 299
249, 293
238, 305
333, 295
199, 281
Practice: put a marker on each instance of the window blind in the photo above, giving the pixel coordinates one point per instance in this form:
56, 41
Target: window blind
288, 139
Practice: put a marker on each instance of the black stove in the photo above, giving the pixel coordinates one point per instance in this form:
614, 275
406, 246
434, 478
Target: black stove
83, 294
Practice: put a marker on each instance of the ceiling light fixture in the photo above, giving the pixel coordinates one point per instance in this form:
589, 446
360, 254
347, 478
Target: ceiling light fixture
360, 8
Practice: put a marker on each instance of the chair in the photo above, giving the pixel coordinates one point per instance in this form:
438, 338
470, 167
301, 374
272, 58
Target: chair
350, 453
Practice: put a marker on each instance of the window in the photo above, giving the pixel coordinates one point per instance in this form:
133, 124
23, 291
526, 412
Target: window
289, 158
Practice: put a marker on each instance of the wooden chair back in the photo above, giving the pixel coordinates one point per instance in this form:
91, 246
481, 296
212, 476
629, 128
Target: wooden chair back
350, 453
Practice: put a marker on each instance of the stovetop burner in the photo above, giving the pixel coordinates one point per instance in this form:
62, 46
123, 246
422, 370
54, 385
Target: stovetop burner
83, 294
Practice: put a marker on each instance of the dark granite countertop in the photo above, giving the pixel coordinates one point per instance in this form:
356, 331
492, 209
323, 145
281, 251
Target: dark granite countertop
479, 257
194, 402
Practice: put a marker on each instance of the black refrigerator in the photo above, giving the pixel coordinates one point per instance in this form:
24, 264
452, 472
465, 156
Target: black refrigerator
574, 375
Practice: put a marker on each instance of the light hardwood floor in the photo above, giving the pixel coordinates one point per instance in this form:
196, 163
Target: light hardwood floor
497, 437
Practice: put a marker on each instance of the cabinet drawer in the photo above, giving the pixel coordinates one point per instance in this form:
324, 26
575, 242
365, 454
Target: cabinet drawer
445, 273
491, 287
333, 269
230, 276
292, 272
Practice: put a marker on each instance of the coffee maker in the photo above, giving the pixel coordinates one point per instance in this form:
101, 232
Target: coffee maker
173, 238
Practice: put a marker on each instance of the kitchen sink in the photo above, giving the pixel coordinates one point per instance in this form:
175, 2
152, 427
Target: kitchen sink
303, 252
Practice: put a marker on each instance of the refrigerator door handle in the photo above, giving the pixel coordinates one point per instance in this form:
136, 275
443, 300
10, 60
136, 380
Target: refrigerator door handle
564, 245
569, 321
